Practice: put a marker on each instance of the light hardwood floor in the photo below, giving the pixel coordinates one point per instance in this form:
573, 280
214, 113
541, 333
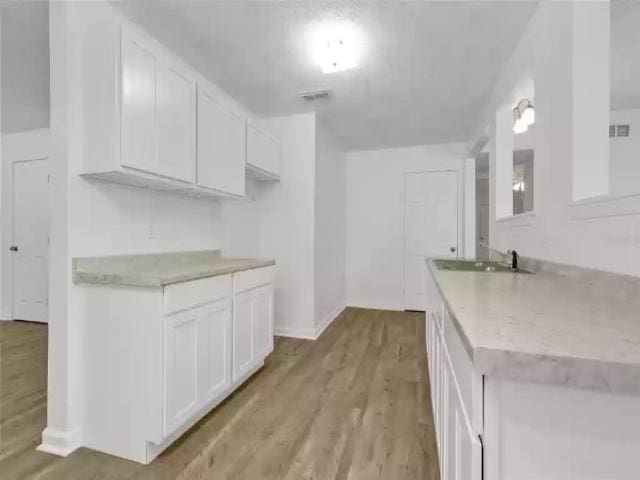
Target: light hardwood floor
352, 405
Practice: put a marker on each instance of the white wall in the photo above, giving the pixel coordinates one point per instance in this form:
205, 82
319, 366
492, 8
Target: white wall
25, 66
93, 218
287, 215
594, 234
113, 219
15, 147
329, 228
299, 222
241, 223
276, 220
624, 154
374, 218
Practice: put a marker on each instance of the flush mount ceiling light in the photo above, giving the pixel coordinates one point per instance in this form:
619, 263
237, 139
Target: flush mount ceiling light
523, 116
336, 46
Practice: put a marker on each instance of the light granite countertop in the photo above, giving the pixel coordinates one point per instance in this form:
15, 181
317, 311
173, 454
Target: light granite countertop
159, 269
567, 326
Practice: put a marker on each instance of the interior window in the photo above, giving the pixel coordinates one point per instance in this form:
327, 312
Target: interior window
624, 120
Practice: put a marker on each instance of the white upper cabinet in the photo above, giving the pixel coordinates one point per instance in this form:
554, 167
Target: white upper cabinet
153, 121
221, 144
263, 154
176, 107
158, 114
138, 109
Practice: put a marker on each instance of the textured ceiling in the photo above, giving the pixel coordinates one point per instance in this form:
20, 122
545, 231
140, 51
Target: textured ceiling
426, 70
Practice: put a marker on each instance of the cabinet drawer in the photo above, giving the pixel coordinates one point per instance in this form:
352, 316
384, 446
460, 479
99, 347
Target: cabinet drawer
181, 296
248, 279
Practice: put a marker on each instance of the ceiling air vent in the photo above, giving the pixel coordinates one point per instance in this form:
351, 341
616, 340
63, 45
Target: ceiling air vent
316, 96
622, 130
619, 130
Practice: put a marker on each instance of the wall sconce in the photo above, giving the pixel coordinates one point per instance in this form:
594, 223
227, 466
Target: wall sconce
523, 116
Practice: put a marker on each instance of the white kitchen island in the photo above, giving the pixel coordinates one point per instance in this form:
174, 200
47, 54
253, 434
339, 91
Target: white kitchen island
168, 337
535, 376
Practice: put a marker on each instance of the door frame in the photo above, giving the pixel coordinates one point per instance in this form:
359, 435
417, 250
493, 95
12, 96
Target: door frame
459, 220
17, 147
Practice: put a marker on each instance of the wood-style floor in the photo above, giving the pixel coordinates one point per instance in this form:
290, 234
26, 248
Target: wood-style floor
352, 405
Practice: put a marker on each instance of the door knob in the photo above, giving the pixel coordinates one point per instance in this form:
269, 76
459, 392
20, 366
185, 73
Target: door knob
453, 249
13, 248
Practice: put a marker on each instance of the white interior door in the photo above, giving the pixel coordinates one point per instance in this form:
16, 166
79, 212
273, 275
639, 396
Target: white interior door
31, 240
430, 228
483, 231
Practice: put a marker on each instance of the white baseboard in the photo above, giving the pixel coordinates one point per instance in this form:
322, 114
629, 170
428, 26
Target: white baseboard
58, 442
303, 333
375, 305
307, 333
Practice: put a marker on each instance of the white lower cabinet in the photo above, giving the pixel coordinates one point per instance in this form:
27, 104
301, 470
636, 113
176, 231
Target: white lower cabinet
495, 428
263, 311
197, 360
243, 331
181, 369
252, 328
216, 328
459, 446
163, 357
462, 448
210, 347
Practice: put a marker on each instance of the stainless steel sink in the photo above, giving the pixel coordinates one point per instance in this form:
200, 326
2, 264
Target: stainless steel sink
475, 266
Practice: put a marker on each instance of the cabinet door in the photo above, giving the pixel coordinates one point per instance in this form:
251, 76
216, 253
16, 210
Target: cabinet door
181, 368
176, 122
263, 321
437, 378
263, 152
139, 68
464, 450
221, 156
272, 156
469, 451
455, 423
215, 352
243, 343
443, 415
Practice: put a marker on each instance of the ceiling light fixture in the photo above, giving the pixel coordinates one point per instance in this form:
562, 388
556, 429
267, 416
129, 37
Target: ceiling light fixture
336, 47
523, 116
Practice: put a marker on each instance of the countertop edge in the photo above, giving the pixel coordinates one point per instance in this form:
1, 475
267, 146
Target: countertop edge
575, 372
433, 270
97, 278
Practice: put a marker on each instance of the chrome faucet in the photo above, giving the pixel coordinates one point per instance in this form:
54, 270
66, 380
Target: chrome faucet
511, 259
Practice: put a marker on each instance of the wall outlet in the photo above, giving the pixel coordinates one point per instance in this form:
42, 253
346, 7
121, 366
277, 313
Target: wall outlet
151, 234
